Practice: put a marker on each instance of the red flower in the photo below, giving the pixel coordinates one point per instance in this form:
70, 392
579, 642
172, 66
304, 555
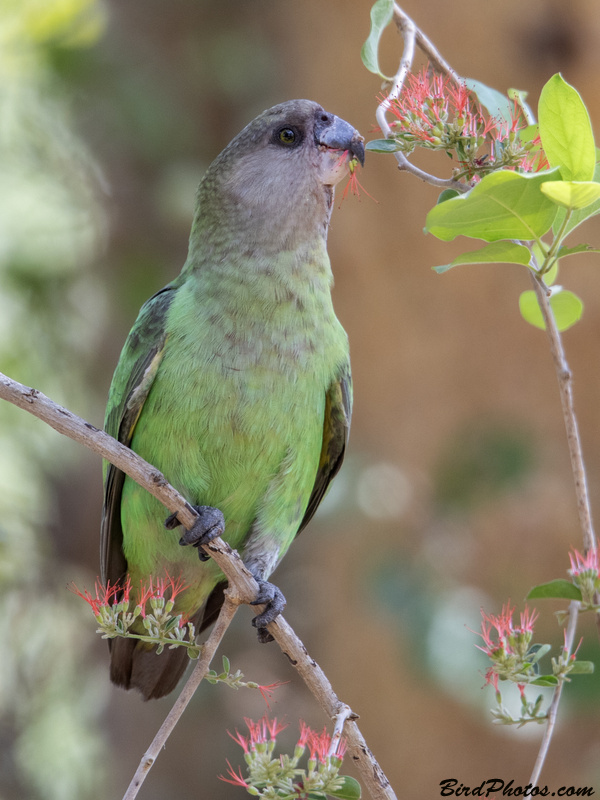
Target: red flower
157, 588
241, 740
236, 778
491, 678
503, 625
160, 585
146, 592
318, 744
268, 690
305, 732
584, 563
105, 595
260, 732
528, 619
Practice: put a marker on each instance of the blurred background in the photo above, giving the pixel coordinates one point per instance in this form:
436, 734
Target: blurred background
457, 491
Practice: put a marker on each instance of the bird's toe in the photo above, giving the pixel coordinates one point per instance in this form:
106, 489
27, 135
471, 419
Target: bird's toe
272, 597
209, 524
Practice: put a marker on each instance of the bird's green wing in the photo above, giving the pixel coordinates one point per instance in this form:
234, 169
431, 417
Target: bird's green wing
336, 428
131, 384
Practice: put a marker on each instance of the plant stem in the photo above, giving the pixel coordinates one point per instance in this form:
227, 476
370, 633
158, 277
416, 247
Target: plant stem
404, 22
413, 36
209, 649
563, 373
556, 695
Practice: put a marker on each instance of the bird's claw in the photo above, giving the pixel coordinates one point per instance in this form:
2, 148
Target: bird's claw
209, 524
271, 596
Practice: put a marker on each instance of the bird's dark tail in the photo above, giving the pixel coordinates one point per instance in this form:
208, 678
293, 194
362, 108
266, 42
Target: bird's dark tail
135, 665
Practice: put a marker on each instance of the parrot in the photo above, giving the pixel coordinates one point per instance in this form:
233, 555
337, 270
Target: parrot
234, 381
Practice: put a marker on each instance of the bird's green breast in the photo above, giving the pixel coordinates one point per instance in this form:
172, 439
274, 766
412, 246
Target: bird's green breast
234, 418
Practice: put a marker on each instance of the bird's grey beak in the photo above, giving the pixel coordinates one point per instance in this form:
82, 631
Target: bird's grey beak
337, 134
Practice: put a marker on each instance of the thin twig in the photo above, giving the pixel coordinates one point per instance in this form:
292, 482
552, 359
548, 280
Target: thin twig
553, 707
209, 649
584, 510
344, 714
563, 374
242, 586
565, 383
413, 36
404, 22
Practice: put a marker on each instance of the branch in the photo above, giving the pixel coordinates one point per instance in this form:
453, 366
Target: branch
565, 384
242, 586
413, 36
563, 373
553, 707
405, 23
209, 649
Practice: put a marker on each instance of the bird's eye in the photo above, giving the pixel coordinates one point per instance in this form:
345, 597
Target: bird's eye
287, 136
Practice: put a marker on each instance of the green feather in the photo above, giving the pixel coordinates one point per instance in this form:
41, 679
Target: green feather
235, 379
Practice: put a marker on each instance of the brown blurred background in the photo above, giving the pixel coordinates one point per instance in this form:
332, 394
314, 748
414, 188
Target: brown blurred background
457, 490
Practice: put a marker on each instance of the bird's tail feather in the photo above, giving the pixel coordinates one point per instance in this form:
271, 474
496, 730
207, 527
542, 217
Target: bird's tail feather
134, 665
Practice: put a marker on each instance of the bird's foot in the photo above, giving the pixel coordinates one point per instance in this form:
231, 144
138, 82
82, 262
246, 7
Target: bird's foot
272, 597
209, 524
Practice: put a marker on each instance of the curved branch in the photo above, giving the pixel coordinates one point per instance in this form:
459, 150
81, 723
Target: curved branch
242, 586
405, 23
412, 37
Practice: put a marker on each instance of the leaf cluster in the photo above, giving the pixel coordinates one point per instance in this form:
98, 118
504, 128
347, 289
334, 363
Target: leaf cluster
525, 218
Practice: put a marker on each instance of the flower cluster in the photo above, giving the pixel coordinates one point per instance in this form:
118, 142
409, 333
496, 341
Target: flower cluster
508, 645
585, 574
281, 777
439, 114
514, 658
116, 612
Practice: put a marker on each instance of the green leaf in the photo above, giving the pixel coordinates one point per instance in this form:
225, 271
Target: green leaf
504, 205
560, 588
350, 789
572, 194
447, 194
497, 104
579, 216
566, 130
582, 668
381, 15
226, 665
495, 253
545, 680
579, 248
382, 146
566, 307
537, 651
